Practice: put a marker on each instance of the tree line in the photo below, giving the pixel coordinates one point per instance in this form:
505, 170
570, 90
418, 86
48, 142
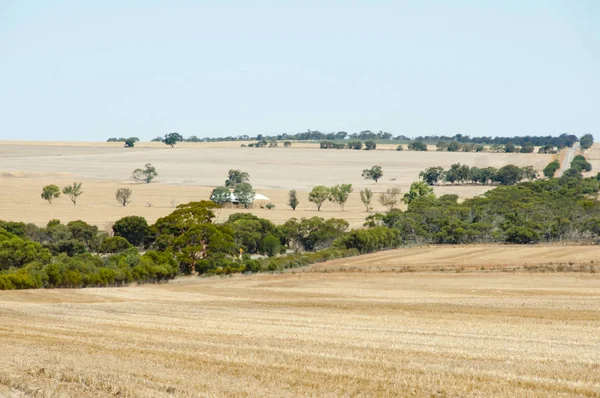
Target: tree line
186, 241
552, 210
462, 174
189, 241
332, 140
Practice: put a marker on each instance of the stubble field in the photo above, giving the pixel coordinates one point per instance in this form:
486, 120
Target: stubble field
310, 333
191, 170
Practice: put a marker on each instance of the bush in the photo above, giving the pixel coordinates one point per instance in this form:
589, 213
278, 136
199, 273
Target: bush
417, 146
370, 145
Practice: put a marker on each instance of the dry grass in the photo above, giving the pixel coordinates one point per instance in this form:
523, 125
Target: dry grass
308, 334
190, 170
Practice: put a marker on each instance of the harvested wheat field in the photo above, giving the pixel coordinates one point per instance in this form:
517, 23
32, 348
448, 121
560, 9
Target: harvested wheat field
191, 170
308, 334
483, 257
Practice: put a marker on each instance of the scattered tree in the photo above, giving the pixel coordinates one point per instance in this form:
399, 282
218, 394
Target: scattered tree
389, 198
370, 145
147, 174
50, 192
374, 173
354, 145
339, 194
366, 195
319, 195
400, 147
270, 206
529, 173
287, 144
172, 139
244, 193
293, 199
73, 191
417, 146
130, 142
221, 195
236, 177
123, 196
586, 141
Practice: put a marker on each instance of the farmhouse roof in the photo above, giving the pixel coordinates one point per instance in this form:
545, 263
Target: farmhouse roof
257, 196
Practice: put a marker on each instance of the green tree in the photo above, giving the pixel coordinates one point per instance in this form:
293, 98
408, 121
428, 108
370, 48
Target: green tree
114, 244
319, 195
529, 173
355, 144
527, 148
236, 177
339, 194
244, 193
551, 168
374, 173
442, 145
172, 139
510, 147
130, 142
586, 141
147, 174
366, 195
432, 175
270, 245
221, 195
417, 146
133, 228
453, 146
287, 144
509, 175
389, 198
370, 145
73, 191
50, 192
293, 199
457, 173
418, 190
123, 196
580, 163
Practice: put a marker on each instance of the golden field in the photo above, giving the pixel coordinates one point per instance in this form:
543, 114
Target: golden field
190, 171
428, 321
313, 333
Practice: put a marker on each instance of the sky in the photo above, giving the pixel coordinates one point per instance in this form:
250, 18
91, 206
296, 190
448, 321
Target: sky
90, 70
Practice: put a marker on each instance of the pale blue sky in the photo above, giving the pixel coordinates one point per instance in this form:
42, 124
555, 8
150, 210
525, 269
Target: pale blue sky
89, 70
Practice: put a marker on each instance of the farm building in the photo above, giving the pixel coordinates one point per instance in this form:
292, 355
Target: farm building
259, 200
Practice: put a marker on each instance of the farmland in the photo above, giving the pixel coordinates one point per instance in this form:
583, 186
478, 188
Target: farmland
428, 320
311, 333
189, 171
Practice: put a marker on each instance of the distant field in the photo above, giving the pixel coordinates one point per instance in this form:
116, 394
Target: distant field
309, 334
472, 257
190, 171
